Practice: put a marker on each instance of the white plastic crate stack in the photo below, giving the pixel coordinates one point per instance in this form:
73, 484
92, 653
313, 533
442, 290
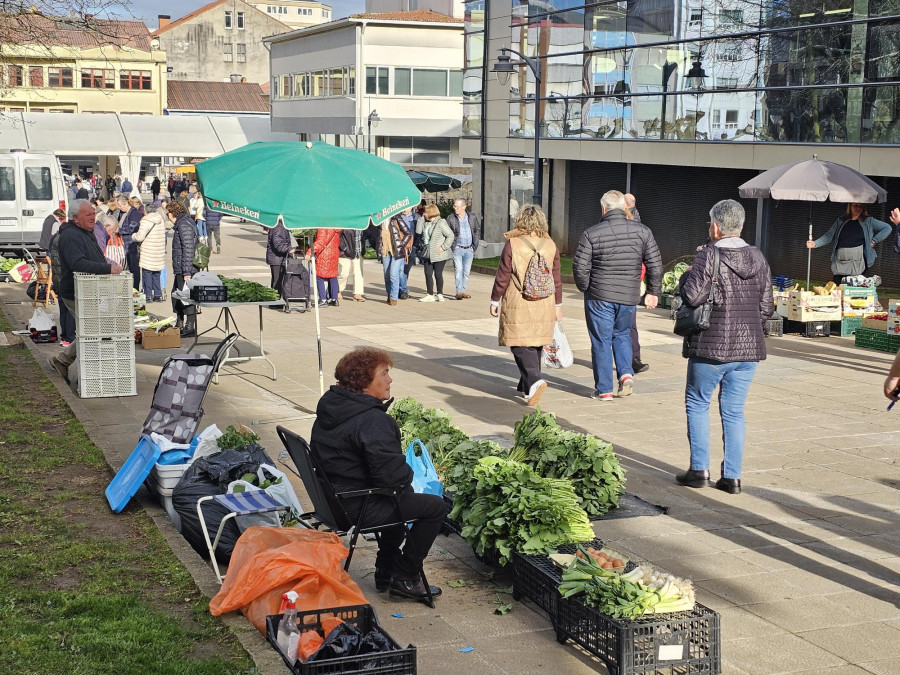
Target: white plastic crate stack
105, 329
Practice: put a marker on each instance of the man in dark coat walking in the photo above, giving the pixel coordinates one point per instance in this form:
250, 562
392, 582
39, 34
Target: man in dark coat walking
607, 269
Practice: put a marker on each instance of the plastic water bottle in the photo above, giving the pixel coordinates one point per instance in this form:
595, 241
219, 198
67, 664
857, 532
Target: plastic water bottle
288, 632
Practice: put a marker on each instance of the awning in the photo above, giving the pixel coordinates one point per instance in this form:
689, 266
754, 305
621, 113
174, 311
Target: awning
169, 135
79, 135
235, 132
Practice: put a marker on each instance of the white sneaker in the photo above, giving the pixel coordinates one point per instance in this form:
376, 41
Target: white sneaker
427, 298
535, 393
439, 297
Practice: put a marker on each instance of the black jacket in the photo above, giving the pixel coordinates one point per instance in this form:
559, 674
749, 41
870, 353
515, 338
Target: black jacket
213, 218
357, 442
348, 243
741, 305
607, 263
184, 239
278, 244
400, 237
155, 186
78, 252
474, 223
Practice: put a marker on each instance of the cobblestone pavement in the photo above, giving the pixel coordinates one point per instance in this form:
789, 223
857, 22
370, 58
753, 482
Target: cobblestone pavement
803, 566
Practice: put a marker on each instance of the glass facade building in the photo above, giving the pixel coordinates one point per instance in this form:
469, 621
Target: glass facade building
783, 71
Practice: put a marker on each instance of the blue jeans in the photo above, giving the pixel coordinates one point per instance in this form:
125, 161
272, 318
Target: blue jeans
393, 268
609, 325
152, 284
404, 273
733, 380
201, 228
462, 265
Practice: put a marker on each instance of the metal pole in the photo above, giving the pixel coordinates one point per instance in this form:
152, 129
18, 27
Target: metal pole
315, 290
809, 254
369, 138
662, 124
536, 197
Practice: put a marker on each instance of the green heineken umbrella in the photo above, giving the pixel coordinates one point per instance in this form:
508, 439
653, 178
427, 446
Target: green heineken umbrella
306, 185
429, 181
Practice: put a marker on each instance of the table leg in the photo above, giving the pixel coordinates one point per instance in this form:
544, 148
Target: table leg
262, 350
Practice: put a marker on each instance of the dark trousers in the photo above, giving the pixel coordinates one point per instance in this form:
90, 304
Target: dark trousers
180, 310
277, 272
429, 512
66, 322
133, 260
332, 288
635, 343
151, 281
434, 276
214, 233
528, 359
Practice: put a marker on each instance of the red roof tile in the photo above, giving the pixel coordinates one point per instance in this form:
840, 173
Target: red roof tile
216, 96
423, 15
83, 33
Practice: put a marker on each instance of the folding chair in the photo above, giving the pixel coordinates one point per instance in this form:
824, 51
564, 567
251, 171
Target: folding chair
238, 504
328, 508
44, 278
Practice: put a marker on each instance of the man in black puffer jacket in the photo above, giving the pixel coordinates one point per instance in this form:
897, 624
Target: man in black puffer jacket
727, 353
358, 445
607, 269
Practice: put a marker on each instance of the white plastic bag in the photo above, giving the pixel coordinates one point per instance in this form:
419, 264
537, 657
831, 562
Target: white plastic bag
207, 442
283, 492
40, 321
558, 354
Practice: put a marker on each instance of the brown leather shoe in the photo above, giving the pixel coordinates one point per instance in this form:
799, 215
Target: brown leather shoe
459, 296
359, 298
392, 302
465, 295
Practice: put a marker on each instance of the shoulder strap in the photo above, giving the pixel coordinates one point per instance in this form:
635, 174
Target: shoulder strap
532, 246
715, 272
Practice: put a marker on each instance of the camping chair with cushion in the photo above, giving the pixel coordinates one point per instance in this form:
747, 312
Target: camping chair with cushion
246, 503
328, 508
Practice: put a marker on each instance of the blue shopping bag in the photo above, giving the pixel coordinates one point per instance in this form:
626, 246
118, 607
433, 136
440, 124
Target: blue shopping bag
425, 478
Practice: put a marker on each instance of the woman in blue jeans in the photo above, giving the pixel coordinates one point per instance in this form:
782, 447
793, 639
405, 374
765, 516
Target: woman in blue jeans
727, 353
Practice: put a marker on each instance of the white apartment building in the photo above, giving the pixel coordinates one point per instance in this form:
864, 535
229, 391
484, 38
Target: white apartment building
296, 13
405, 67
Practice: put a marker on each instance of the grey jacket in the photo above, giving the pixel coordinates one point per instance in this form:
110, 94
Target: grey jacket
441, 238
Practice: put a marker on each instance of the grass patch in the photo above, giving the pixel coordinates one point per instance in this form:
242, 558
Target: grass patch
565, 263
85, 590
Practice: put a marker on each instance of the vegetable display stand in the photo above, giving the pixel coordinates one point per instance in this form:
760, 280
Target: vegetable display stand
675, 644
877, 339
230, 326
398, 661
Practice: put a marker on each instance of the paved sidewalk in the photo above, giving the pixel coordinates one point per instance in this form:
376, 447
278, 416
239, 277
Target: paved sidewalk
803, 566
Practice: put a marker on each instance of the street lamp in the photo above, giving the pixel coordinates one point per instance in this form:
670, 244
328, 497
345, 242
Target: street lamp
667, 70
504, 67
373, 120
695, 76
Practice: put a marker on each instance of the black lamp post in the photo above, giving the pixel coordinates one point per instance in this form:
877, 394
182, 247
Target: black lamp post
695, 75
667, 70
504, 67
373, 121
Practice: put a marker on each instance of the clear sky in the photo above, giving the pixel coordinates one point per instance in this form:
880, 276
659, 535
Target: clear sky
148, 10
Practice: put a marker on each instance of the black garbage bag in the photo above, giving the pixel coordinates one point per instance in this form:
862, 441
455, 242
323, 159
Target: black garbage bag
346, 640
211, 476
375, 642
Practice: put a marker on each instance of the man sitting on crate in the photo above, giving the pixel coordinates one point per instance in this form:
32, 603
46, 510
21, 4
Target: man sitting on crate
358, 445
78, 252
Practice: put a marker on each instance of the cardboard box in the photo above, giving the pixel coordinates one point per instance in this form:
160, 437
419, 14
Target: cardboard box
874, 324
168, 338
893, 325
894, 308
808, 299
782, 307
817, 314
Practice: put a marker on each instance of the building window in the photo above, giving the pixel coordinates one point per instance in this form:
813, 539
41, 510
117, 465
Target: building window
731, 119
727, 82
402, 81
351, 81
135, 79
301, 85
456, 82
377, 80
228, 14
696, 16
35, 76
429, 82
98, 78
14, 76
228, 52
60, 77
430, 151
241, 52
325, 13
240, 20
287, 82
730, 53
731, 16
716, 119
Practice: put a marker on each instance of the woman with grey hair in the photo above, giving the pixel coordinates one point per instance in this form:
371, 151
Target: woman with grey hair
725, 355
151, 237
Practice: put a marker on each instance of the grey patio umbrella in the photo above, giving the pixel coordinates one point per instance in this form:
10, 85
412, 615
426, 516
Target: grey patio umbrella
814, 180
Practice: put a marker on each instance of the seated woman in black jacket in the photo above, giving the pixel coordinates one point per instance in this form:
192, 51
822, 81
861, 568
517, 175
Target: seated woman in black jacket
358, 445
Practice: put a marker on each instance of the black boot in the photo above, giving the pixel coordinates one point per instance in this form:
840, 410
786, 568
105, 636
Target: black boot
729, 485
190, 329
692, 478
639, 366
412, 589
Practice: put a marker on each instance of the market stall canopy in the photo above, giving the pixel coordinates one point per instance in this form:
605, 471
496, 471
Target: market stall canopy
306, 185
234, 132
429, 181
814, 180
166, 135
75, 135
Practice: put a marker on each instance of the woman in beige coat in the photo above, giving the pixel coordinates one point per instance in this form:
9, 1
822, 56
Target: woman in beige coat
151, 235
526, 326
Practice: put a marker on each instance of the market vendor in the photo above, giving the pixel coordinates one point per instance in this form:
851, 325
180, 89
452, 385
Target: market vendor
358, 445
854, 236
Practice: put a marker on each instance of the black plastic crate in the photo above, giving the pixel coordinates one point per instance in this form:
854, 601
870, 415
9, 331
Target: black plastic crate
810, 329
450, 526
209, 294
678, 643
774, 327
400, 661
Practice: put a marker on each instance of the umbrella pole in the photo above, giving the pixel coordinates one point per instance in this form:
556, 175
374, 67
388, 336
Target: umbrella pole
315, 288
809, 250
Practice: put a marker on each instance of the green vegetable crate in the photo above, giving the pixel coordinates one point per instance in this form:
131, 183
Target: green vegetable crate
681, 642
849, 325
665, 301
877, 339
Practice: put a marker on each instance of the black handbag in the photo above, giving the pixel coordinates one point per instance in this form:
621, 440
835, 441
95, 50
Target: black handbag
692, 320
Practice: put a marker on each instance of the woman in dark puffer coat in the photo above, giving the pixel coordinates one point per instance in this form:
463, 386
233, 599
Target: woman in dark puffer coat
184, 240
727, 353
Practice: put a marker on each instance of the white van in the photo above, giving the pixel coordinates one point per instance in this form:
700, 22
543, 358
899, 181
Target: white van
31, 188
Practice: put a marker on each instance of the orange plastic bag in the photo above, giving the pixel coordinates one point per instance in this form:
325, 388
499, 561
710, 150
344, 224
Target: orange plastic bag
270, 561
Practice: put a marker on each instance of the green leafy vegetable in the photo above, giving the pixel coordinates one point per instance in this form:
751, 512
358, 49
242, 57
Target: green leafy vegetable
235, 439
240, 290
6, 264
